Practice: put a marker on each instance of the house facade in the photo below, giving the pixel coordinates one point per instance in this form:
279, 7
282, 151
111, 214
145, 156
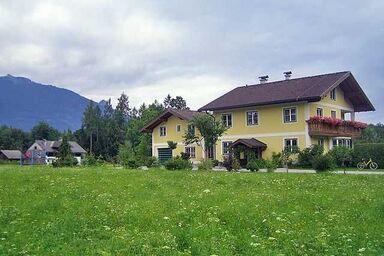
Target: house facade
271, 116
45, 151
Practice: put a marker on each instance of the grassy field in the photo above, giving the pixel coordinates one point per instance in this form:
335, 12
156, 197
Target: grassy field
107, 211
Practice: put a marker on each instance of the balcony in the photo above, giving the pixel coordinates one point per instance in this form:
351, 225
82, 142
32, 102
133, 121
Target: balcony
333, 127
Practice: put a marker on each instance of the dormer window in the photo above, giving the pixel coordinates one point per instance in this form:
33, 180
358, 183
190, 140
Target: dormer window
333, 94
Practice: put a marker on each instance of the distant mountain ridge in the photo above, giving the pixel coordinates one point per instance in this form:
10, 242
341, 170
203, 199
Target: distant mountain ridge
23, 103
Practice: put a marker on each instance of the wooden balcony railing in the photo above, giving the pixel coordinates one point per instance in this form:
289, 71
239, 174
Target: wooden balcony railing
332, 127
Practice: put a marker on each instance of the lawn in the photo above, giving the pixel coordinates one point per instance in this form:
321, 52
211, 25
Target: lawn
110, 211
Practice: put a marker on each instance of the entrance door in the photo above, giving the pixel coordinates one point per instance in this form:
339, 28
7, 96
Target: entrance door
164, 154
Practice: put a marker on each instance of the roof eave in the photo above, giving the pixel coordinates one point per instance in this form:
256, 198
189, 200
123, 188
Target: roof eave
306, 99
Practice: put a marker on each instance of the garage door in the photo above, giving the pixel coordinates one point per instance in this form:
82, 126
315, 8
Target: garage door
164, 154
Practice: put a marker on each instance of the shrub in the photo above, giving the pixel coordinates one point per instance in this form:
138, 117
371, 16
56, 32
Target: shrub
127, 157
90, 160
236, 164
205, 164
215, 162
151, 162
227, 162
185, 156
177, 163
308, 155
369, 150
277, 159
342, 156
323, 163
270, 165
65, 161
253, 165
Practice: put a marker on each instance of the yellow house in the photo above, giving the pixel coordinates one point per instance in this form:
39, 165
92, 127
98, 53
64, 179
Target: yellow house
270, 116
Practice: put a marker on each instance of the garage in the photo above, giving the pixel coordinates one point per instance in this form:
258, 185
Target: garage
164, 154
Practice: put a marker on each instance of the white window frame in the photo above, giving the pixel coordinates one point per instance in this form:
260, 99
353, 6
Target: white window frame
254, 112
320, 143
290, 139
222, 147
165, 131
334, 111
332, 94
226, 120
191, 126
191, 151
178, 128
321, 110
290, 114
346, 142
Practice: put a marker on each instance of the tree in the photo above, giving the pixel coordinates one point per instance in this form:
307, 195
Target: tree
122, 110
209, 131
91, 123
43, 130
64, 154
13, 138
176, 103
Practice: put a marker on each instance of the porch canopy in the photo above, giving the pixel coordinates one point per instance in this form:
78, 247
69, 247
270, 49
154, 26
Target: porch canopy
250, 143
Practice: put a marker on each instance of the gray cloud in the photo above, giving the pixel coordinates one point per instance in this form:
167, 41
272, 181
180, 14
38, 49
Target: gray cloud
196, 49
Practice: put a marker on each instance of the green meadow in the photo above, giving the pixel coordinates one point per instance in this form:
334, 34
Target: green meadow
112, 211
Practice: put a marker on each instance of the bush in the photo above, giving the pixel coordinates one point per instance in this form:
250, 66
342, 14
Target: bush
270, 165
67, 161
90, 160
253, 165
177, 163
215, 162
127, 157
308, 155
185, 156
151, 161
342, 155
324, 163
277, 159
236, 164
205, 164
227, 162
369, 150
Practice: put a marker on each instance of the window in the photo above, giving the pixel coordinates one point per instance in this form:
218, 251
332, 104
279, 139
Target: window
226, 145
210, 153
178, 128
191, 151
290, 144
191, 129
333, 113
290, 115
227, 119
252, 118
163, 131
320, 142
342, 143
319, 112
333, 94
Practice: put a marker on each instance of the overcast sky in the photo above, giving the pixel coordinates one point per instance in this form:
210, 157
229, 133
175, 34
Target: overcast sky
196, 49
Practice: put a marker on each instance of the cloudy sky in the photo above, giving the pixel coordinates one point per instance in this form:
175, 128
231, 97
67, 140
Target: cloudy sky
196, 49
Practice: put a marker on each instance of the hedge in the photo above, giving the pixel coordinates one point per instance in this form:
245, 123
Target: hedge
369, 150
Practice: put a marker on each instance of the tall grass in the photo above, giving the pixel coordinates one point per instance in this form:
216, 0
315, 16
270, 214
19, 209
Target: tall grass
107, 211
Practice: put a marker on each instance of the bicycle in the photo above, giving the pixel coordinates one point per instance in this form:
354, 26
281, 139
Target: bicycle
363, 164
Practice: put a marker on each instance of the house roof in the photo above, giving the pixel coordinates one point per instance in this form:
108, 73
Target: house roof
250, 143
11, 154
52, 146
309, 89
185, 114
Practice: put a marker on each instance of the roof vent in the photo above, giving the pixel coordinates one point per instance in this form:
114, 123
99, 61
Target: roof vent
287, 75
263, 79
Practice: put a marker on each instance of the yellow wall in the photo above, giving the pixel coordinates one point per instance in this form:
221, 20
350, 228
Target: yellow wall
271, 128
173, 135
328, 104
